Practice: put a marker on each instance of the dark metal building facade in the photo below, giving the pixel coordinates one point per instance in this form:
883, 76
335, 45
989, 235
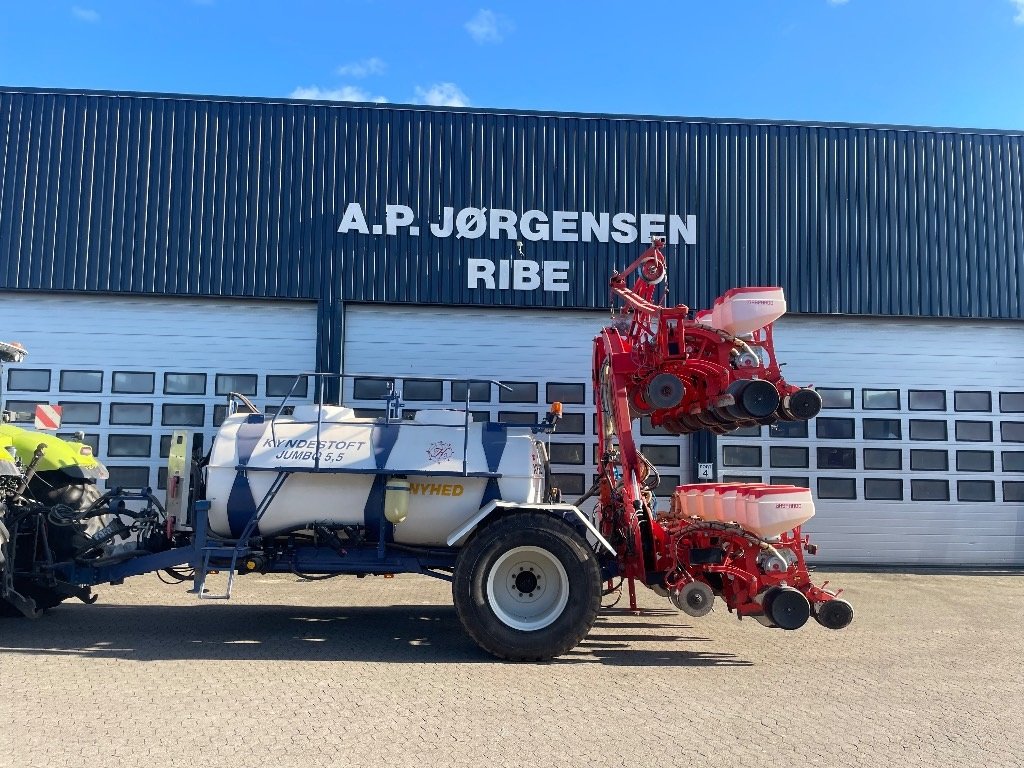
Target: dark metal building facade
103, 192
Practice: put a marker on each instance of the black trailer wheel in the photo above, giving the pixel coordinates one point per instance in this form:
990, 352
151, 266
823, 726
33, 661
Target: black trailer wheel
527, 587
76, 496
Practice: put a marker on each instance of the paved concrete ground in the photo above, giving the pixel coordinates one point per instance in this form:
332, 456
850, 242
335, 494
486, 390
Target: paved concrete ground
377, 673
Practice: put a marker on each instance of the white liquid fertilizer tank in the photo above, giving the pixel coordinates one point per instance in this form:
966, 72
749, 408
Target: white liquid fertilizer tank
357, 457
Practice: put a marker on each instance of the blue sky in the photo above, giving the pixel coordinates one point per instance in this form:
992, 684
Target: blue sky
925, 62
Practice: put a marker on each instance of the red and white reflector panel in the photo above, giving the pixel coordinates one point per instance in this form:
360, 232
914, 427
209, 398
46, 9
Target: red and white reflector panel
48, 416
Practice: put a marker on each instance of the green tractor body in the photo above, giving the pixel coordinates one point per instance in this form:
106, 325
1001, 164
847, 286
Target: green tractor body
65, 457
8, 467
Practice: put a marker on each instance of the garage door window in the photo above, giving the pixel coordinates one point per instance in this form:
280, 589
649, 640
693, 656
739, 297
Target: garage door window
790, 429
132, 382
880, 399
518, 418
479, 392
567, 453
646, 427
280, 386
1013, 461
571, 485
1011, 402
81, 381
131, 413
666, 486
972, 401
128, 477
664, 455
25, 410
974, 431
834, 429
883, 489
1013, 491
575, 394
800, 482
975, 461
784, 456
184, 383
883, 458
927, 429
929, 461
929, 490
976, 490
837, 458
423, 389
572, 424
183, 415
1012, 431
522, 392
242, 383
80, 413
837, 488
28, 380
835, 398
927, 400
129, 445
741, 456
882, 429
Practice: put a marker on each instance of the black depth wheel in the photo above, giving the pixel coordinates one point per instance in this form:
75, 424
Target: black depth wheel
834, 614
527, 587
787, 607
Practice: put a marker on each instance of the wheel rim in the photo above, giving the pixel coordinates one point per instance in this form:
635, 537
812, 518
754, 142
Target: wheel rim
527, 588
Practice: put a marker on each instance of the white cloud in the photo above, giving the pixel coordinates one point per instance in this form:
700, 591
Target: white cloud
344, 93
442, 95
488, 27
371, 66
84, 14
1019, 5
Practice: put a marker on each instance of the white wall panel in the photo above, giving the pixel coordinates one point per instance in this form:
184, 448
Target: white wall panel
500, 344
154, 335
873, 353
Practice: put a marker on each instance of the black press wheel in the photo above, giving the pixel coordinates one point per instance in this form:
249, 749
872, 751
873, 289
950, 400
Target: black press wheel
527, 587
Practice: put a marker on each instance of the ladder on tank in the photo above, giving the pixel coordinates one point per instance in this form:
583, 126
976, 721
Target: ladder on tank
235, 553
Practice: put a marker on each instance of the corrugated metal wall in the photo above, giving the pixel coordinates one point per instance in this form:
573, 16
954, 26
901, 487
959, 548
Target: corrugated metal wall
152, 194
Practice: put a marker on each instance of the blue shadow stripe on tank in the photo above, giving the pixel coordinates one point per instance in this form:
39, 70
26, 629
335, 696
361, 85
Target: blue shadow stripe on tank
241, 504
492, 492
373, 512
495, 438
383, 438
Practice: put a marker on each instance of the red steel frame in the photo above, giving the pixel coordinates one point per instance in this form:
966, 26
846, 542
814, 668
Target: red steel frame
645, 339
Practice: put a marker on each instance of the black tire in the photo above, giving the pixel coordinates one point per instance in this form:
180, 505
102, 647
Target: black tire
788, 608
492, 552
76, 496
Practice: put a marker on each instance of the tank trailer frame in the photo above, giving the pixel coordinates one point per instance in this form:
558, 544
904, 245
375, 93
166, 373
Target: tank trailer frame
527, 576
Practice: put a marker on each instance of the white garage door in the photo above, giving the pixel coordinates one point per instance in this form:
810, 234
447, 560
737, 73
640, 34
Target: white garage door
129, 370
918, 456
543, 355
